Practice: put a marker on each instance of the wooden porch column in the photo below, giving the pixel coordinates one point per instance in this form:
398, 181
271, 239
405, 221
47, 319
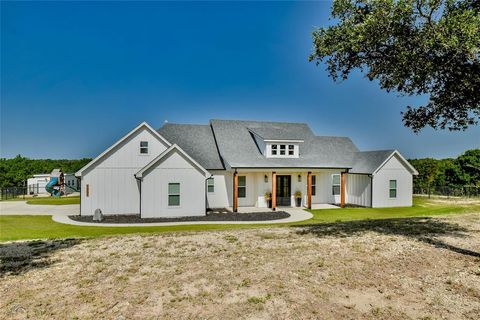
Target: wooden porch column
342, 189
309, 190
235, 191
274, 191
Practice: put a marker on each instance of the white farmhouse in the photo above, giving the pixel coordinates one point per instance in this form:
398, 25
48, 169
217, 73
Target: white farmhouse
183, 170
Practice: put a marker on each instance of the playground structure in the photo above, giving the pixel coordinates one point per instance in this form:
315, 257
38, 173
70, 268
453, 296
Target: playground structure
56, 185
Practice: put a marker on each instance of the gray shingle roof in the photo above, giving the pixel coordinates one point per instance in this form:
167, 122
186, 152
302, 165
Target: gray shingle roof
238, 149
196, 140
369, 161
275, 132
232, 141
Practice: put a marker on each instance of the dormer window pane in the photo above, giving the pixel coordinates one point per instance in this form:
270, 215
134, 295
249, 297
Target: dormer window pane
274, 149
282, 149
290, 150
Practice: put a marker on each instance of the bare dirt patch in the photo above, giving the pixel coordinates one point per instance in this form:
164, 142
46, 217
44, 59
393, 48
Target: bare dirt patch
419, 268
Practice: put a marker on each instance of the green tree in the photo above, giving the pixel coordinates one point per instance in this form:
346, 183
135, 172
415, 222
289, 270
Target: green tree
469, 163
414, 47
427, 171
449, 173
14, 172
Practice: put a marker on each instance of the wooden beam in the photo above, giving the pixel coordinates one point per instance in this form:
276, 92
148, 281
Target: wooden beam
235, 191
274, 191
342, 189
309, 190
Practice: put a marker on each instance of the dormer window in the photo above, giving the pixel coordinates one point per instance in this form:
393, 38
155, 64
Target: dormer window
143, 147
282, 150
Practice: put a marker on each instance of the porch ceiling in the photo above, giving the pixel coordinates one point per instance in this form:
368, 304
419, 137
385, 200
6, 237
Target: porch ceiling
289, 170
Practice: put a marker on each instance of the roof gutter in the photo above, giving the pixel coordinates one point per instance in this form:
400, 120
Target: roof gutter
345, 168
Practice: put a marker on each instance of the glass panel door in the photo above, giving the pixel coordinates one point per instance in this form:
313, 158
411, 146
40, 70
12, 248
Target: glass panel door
283, 191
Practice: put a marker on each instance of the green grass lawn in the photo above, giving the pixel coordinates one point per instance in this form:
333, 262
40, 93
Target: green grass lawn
422, 207
55, 200
42, 227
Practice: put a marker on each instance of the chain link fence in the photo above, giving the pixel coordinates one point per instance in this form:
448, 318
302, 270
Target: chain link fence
448, 191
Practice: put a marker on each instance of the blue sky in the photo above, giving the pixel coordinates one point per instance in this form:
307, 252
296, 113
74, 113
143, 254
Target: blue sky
77, 76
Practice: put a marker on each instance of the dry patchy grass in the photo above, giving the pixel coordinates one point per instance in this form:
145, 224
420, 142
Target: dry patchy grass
419, 269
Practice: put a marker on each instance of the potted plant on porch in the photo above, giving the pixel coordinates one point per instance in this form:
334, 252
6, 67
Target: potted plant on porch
268, 198
298, 198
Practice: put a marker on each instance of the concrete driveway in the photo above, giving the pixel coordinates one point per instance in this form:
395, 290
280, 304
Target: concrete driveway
22, 208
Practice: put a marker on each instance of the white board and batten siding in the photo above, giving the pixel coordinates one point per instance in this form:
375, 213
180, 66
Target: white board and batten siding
173, 168
112, 186
222, 194
393, 169
359, 189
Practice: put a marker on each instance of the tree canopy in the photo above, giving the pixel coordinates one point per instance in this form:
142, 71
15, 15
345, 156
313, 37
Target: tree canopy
459, 172
413, 47
14, 172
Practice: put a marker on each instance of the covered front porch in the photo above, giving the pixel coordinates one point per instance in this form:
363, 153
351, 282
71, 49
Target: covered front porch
315, 206
259, 189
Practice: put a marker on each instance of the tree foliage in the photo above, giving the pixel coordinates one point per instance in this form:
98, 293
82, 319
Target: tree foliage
14, 172
414, 47
462, 171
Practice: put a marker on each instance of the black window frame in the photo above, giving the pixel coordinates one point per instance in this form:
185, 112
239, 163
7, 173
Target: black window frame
390, 189
314, 185
144, 147
170, 195
242, 187
211, 179
336, 188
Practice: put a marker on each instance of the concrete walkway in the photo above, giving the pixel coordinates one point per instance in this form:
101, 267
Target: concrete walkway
22, 208
324, 206
296, 215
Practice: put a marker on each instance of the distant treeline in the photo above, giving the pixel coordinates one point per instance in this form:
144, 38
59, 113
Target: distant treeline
459, 172
462, 171
14, 172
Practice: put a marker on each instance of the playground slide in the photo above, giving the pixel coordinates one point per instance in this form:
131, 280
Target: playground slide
50, 187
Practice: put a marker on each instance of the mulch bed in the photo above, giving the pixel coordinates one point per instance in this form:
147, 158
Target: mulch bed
211, 216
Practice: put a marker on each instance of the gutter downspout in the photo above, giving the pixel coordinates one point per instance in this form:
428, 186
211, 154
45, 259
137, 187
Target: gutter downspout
371, 190
206, 191
80, 213
140, 197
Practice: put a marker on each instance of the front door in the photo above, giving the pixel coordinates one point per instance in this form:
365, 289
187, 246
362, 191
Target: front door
283, 191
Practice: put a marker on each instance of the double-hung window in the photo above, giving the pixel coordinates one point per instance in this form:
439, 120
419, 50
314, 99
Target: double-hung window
174, 194
314, 185
335, 184
144, 147
393, 189
242, 186
282, 149
210, 185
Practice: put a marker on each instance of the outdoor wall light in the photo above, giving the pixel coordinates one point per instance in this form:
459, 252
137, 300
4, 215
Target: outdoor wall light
265, 178
299, 178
